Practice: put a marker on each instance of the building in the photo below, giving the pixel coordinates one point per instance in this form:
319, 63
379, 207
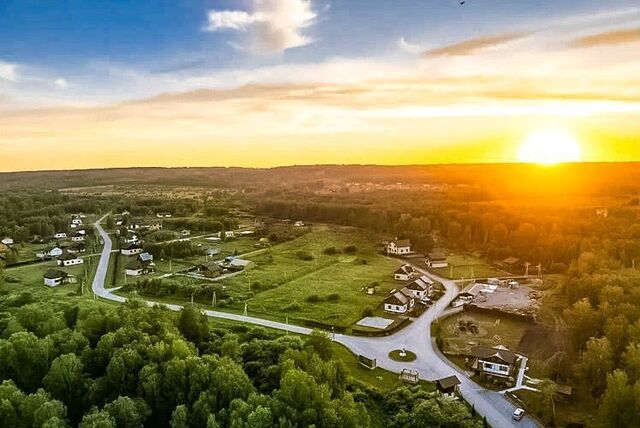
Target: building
49, 252
53, 278
145, 257
209, 269
78, 247
511, 264
496, 361
437, 260
421, 288
68, 259
76, 221
234, 264
77, 237
155, 226
60, 235
298, 224
7, 241
131, 250
137, 267
163, 215
404, 273
399, 247
185, 232
399, 302
132, 239
449, 385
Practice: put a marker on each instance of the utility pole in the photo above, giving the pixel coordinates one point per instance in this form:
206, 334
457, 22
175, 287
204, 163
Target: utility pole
213, 299
245, 310
192, 298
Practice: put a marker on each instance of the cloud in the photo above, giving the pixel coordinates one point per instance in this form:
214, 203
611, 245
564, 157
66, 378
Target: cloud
409, 47
272, 25
61, 83
8, 71
616, 37
474, 45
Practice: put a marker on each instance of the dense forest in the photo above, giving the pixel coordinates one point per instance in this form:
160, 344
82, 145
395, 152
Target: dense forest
94, 365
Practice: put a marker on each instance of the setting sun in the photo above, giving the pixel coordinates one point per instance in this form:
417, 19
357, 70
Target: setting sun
550, 147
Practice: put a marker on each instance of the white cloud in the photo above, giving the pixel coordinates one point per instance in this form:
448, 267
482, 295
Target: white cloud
8, 71
409, 47
61, 83
273, 25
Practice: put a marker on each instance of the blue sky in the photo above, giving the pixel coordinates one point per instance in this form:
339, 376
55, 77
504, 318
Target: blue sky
308, 81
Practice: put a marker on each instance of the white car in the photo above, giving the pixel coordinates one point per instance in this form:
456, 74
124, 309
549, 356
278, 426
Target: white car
518, 414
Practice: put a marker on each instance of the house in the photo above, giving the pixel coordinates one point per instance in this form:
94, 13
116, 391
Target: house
449, 385
82, 232
399, 247
132, 239
76, 221
185, 232
421, 288
229, 234
68, 259
137, 267
131, 250
145, 257
49, 252
54, 277
155, 226
7, 241
163, 215
77, 237
399, 302
436, 260
209, 269
78, 247
495, 361
404, 273
298, 224
60, 235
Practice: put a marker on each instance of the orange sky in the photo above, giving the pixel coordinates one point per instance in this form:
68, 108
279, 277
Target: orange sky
475, 100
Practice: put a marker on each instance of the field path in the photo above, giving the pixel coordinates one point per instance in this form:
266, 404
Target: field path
430, 363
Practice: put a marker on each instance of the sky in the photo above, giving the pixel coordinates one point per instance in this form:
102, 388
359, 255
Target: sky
262, 83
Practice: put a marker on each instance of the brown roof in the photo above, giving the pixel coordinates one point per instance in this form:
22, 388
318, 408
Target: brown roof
398, 297
484, 352
55, 274
511, 260
448, 382
420, 284
405, 269
402, 242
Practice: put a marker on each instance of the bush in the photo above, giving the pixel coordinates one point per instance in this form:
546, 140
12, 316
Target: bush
303, 255
295, 306
333, 297
314, 298
330, 251
350, 249
360, 262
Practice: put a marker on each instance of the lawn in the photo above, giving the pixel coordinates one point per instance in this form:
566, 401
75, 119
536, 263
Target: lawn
283, 284
464, 266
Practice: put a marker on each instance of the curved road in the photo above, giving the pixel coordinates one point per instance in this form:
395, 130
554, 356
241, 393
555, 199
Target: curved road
430, 363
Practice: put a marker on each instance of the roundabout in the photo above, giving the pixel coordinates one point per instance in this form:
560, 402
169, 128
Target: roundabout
402, 355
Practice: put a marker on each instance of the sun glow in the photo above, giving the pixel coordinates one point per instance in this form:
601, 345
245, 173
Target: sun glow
550, 147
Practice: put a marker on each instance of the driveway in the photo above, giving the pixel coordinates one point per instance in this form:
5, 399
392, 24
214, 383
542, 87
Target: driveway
430, 363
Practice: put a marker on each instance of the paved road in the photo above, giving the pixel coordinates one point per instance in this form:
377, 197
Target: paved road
416, 337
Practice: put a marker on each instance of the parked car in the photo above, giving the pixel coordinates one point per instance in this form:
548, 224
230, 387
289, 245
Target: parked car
518, 414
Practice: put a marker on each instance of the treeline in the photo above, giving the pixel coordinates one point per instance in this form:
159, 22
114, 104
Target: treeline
94, 365
603, 355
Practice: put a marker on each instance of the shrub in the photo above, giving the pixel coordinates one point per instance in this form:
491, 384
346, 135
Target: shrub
303, 255
330, 251
360, 262
333, 297
350, 249
295, 306
314, 298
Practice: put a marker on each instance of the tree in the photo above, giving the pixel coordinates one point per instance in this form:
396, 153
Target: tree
583, 322
66, 381
128, 412
193, 324
595, 363
321, 343
180, 417
547, 390
618, 407
631, 361
98, 419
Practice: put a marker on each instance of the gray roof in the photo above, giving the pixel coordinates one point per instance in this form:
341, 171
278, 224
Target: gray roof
448, 382
484, 352
55, 274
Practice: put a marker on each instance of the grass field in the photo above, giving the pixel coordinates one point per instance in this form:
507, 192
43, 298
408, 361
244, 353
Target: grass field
463, 266
284, 284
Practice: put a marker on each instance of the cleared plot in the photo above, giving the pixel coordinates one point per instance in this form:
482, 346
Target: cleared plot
463, 266
327, 288
375, 322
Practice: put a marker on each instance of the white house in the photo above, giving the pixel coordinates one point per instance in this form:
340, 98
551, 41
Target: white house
60, 235
76, 221
163, 215
298, 224
496, 361
7, 241
436, 260
82, 232
399, 247
137, 267
131, 250
49, 252
69, 259
404, 273
77, 237
132, 239
53, 278
399, 302
421, 288
185, 232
